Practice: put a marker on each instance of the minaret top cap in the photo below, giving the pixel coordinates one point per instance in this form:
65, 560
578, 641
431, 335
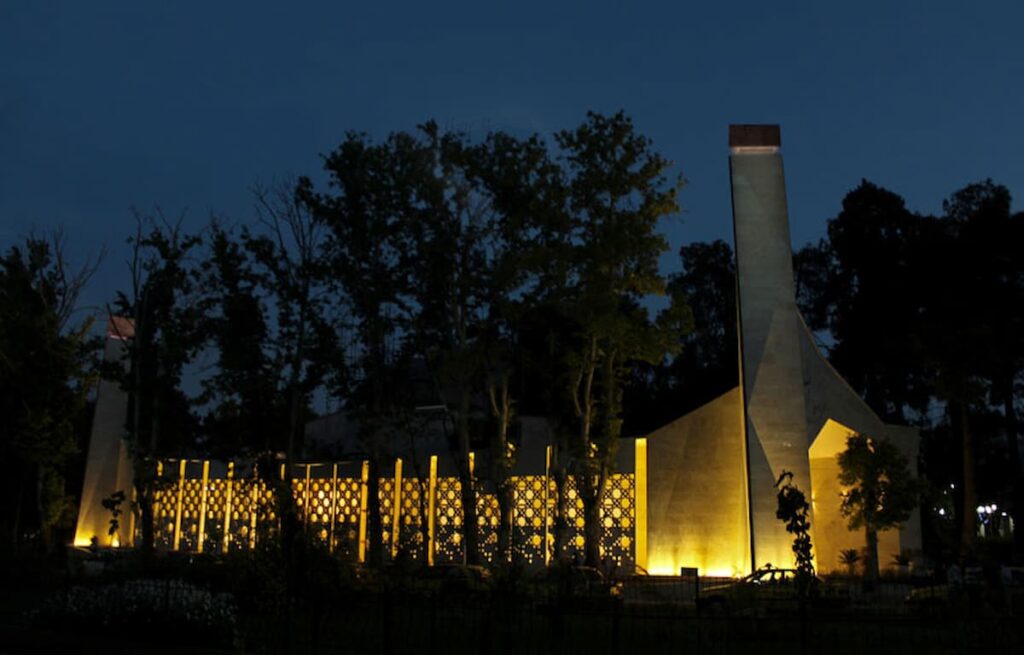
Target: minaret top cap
754, 138
120, 327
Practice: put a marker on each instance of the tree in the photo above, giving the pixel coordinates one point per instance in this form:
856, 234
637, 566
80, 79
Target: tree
794, 511
849, 557
45, 378
617, 194
880, 491
707, 365
520, 188
975, 345
874, 263
370, 257
293, 273
949, 292
164, 313
248, 411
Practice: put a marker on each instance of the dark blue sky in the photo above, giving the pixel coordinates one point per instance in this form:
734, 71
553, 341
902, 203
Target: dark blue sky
109, 105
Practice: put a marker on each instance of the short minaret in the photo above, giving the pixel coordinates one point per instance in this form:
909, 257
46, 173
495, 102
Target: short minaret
770, 333
108, 467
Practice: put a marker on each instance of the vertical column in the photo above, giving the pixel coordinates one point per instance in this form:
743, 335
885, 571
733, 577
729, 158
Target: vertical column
228, 499
204, 495
640, 504
396, 506
431, 510
364, 496
770, 331
334, 506
177, 513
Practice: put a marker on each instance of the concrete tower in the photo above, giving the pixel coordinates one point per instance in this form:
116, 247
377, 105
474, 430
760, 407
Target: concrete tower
770, 331
108, 466
712, 473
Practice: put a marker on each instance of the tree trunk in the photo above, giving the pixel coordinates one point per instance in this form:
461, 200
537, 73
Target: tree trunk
424, 522
969, 516
506, 502
871, 559
144, 497
591, 498
469, 527
561, 525
501, 466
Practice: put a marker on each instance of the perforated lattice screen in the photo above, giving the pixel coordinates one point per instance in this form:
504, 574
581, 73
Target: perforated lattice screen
330, 510
534, 509
488, 516
448, 521
414, 505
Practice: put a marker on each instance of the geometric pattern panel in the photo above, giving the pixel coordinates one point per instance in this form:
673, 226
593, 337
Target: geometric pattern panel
320, 509
572, 547
242, 510
386, 497
488, 516
533, 518
190, 508
448, 522
345, 534
414, 507
240, 530
618, 516
216, 506
165, 508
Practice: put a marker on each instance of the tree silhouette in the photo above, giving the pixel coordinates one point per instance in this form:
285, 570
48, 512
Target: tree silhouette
880, 492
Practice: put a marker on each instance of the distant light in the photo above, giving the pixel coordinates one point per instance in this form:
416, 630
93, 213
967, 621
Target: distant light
942, 512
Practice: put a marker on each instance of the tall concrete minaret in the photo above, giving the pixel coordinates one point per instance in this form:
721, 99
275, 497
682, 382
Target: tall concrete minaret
108, 466
770, 333
711, 473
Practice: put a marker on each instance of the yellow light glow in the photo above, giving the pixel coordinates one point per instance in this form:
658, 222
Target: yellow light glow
431, 510
640, 492
364, 494
716, 572
396, 519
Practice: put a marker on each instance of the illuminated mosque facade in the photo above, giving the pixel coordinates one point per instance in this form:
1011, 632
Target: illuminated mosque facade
696, 493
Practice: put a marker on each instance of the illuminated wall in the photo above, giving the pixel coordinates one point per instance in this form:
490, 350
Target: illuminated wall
830, 532
697, 495
203, 506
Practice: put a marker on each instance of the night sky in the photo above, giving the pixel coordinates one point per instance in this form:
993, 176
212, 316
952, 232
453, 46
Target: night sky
182, 105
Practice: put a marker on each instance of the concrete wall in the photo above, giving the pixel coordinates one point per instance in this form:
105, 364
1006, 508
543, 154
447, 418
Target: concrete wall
696, 492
